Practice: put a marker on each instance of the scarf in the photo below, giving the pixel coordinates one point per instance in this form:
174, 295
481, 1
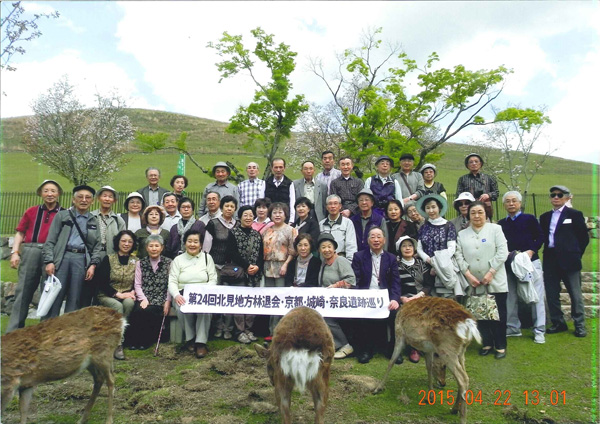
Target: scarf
182, 229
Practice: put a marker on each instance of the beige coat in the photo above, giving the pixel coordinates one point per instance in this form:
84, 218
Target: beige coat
480, 251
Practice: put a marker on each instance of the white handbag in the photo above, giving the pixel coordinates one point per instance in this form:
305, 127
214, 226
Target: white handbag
51, 289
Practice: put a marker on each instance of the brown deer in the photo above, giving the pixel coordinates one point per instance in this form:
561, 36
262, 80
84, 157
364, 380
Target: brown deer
58, 348
300, 356
442, 329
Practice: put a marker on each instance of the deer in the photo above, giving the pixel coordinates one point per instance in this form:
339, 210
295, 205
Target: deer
61, 347
300, 356
442, 329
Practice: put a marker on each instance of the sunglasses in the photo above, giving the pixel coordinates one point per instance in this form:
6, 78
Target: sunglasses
463, 203
559, 195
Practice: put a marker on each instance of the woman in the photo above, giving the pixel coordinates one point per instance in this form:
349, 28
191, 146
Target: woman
179, 184
483, 187
134, 205
413, 215
115, 276
304, 269
192, 267
215, 243
153, 300
188, 222
278, 244
306, 222
262, 220
153, 216
461, 204
396, 226
480, 254
245, 248
429, 172
436, 234
336, 272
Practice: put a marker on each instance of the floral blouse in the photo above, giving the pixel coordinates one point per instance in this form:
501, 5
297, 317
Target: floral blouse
278, 244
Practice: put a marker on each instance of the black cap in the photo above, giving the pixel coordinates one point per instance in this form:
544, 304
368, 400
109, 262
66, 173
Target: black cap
84, 187
407, 156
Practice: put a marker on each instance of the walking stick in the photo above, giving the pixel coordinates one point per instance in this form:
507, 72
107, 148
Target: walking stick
159, 335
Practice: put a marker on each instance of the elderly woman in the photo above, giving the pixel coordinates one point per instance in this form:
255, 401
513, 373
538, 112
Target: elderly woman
336, 272
461, 204
115, 276
413, 215
152, 297
480, 254
483, 187
304, 269
179, 183
134, 205
429, 172
188, 222
153, 216
262, 220
306, 222
192, 267
396, 226
245, 248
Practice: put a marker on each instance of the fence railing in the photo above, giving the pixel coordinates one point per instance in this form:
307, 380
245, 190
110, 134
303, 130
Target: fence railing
14, 204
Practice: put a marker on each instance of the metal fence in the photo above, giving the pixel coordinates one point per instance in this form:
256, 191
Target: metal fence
14, 204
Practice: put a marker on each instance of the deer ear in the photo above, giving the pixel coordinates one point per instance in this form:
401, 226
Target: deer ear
262, 352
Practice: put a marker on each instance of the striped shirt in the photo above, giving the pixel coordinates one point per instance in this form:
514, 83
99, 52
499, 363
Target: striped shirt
477, 185
35, 223
250, 190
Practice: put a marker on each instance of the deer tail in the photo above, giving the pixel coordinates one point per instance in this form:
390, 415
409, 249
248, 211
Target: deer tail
301, 365
468, 331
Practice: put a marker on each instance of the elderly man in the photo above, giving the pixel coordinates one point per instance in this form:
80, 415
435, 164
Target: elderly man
523, 233
376, 269
347, 187
26, 254
253, 188
329, 172
411, 182
565, 240
312, 189
172, 216
152, 193
73, 249
383, 186
213, 207
221, 171
482, 186
429, 172
340, 227
280, 188
366, 219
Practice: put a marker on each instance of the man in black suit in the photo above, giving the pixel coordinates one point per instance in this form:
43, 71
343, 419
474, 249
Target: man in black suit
566, 238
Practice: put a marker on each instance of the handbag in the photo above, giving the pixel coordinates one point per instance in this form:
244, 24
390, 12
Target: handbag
50, 291
483, 306
232, 273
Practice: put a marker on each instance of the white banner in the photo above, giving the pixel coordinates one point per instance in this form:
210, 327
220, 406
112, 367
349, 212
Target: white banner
334, 303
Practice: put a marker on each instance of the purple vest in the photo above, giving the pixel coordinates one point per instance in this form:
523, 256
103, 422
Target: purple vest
376, 220
383, 193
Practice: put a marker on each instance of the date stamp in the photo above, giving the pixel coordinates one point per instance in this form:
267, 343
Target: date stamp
498, 397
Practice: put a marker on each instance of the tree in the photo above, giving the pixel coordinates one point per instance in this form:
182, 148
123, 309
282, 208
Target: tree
82, 145
16, 30
381, 116
514, 137
269, 119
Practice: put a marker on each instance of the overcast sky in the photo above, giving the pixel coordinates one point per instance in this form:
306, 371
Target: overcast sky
155, 54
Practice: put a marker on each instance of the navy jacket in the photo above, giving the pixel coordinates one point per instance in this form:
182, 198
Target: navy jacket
570, 238
389, 277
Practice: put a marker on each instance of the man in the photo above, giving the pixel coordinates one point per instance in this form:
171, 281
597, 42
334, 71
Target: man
347, 187
213, 206
523, 233
280, 188
312, 189
152, 193
329, 172
26, 254
169, 202
253, 188
429, 172
565, 240
383, 186
339, 227
366, 219
482, 186
376, 269
411, 182
221, 171
73, 249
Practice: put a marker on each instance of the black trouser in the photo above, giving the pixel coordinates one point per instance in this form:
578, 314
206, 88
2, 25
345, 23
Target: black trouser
144, 326
493, 333
373, 333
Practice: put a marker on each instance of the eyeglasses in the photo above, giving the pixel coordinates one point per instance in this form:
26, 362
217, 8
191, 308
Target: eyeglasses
559, 195
463, 203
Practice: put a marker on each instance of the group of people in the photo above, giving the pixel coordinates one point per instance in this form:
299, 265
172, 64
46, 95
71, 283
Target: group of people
325, 230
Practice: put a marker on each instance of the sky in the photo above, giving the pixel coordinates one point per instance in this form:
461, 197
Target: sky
155, 54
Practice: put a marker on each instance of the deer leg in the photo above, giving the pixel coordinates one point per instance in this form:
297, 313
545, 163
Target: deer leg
319, 390
460, 374
24, 401
110, 384
398, 348
8, 392
98, 381
429, 364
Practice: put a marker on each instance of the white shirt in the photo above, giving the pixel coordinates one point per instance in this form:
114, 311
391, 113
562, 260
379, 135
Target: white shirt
553, 223
375, 268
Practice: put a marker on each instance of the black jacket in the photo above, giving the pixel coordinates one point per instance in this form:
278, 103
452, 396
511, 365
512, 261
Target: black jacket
312, 274
570, 238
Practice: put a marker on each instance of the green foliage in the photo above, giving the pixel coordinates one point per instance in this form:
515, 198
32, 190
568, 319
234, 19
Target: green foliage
270, 117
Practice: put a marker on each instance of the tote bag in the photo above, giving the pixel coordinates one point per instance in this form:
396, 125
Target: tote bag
51, 288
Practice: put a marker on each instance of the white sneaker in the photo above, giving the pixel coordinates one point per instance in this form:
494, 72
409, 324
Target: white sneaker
243, 338
251, 336
513, 332
219, 333
539, 338
343, 352
227, 335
